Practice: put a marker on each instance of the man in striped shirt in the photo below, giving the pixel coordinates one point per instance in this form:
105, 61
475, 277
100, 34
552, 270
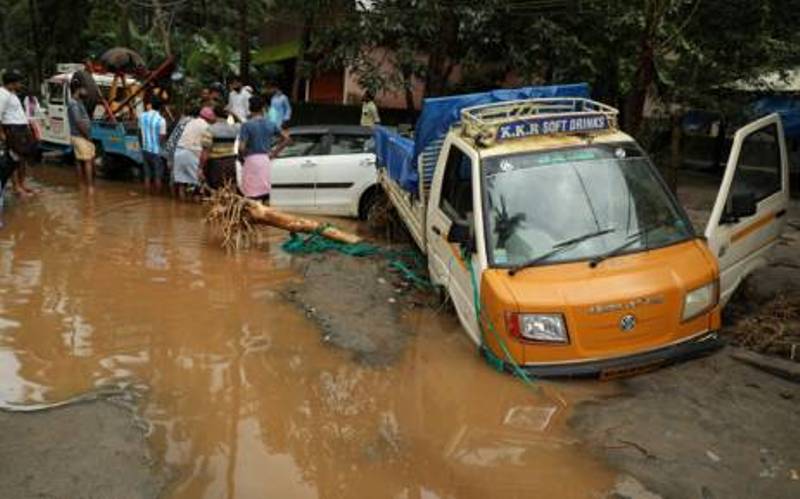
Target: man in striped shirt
153, 128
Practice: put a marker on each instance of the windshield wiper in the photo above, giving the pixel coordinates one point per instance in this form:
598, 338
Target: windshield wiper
558, 248
631, 240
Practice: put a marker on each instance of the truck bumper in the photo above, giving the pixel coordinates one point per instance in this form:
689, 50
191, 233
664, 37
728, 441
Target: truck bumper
628, 365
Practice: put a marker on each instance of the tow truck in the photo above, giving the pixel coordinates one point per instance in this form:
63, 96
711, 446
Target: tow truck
556, 239
114, 127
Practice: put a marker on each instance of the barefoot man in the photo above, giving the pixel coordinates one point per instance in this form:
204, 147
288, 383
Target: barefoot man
80, 130
15, 129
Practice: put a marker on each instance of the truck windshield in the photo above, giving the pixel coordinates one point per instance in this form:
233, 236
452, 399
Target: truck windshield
540, 206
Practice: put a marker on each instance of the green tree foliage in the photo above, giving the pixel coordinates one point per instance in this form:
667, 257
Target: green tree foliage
74, 30
679, 50
683, 52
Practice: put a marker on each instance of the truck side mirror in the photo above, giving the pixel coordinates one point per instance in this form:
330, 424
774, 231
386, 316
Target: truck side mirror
742, 205
461, 233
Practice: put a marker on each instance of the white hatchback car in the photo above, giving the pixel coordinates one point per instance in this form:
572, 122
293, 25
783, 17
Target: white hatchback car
327, 169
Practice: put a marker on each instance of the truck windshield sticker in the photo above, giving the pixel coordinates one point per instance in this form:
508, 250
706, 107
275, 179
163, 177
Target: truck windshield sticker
563, 156
500, 256
548, 126
506, 166
598, 152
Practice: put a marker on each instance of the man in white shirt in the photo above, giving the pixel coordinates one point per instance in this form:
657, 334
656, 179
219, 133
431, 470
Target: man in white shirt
15, 130
239, 100
369, 111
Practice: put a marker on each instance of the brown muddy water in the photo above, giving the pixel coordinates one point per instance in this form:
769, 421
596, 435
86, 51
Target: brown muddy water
239, 394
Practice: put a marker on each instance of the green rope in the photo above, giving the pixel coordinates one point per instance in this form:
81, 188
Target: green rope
414, 273
409, 264
497, 363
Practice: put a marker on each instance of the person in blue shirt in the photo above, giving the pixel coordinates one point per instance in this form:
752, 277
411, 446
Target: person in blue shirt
260, 140
153, 129
280, 110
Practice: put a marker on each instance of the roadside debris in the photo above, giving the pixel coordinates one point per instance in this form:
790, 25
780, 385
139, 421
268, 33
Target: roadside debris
784, 368
713, 456
238, 217
769, 327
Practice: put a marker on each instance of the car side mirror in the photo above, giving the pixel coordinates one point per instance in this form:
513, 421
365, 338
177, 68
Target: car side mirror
461, 233
742, 205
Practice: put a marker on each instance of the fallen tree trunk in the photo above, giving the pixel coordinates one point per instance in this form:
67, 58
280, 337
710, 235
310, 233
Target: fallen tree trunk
238, 218
266, 215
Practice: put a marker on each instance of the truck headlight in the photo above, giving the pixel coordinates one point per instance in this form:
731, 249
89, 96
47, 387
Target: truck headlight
548, 328
699, 300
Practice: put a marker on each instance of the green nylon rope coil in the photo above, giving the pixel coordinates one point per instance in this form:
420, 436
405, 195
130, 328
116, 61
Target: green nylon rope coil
408, 264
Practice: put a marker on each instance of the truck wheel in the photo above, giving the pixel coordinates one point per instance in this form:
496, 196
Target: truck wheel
366, 202
375, 209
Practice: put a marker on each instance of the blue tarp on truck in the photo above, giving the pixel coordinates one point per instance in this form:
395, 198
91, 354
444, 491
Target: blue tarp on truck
396, 153
399, 154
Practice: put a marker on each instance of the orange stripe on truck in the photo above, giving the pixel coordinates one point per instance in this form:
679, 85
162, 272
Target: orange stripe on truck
761, 222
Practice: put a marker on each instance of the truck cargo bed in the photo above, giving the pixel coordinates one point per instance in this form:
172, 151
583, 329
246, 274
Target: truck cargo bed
410, 208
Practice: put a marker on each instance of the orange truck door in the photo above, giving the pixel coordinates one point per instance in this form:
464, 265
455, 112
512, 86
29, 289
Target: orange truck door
749, 214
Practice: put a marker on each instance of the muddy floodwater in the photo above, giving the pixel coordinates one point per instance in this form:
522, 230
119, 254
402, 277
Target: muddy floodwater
236, 390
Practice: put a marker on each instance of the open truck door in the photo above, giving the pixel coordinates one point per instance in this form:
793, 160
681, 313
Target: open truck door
749, 214
451, 231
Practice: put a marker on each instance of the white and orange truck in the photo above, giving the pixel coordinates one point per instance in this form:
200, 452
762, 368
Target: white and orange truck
558, 242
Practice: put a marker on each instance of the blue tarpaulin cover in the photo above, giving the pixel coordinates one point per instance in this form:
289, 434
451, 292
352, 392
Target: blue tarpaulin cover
396, 153
399, 154
441, 113
787, 107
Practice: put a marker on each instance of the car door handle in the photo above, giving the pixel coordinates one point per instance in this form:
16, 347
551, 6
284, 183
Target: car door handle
367, 162
436, 230
780, 213
308, 163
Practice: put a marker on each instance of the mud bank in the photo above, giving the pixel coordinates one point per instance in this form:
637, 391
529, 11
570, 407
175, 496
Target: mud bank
709, 428
87, 450
356, 302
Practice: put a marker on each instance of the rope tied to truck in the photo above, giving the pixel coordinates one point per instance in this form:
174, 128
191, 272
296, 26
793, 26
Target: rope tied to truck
497, 363
413, 272
409, 264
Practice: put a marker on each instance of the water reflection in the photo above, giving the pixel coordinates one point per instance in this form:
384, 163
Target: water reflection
242, 397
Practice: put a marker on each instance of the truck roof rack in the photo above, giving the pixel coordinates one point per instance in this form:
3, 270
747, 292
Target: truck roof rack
488, 124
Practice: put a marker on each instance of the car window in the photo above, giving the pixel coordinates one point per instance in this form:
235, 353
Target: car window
56, 92
759, 168
303, 145
352, 144
456, 201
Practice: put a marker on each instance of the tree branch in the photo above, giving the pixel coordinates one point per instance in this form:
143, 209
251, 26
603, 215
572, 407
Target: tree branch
665, 46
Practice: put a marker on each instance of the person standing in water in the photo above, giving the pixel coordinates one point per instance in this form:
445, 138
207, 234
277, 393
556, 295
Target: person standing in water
80, 130
16, 130
187, 173
153, 128
7, 167
256, 148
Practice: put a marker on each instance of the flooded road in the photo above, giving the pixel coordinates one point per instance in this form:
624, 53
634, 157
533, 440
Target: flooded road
239, 394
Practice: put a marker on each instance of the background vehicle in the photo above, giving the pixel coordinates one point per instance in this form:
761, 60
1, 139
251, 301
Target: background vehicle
326, 170
553, 229
115, 127
117, 138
